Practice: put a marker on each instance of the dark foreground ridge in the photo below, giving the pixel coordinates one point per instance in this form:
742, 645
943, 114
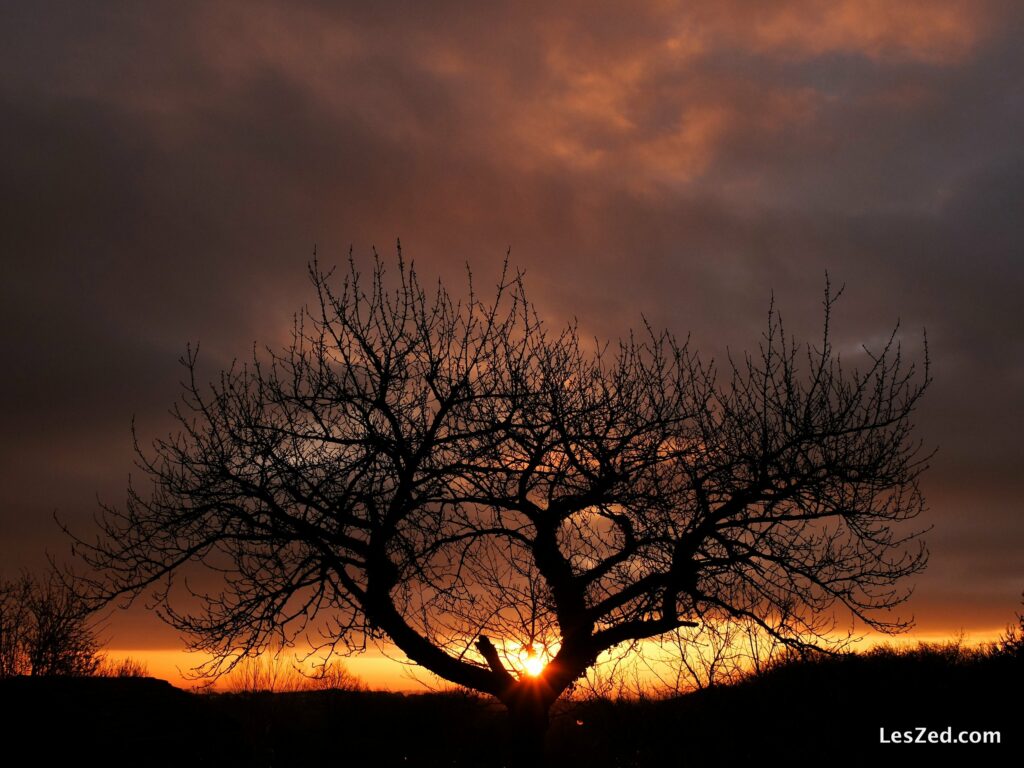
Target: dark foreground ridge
829, 711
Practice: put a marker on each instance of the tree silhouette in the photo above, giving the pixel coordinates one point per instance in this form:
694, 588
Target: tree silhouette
1011, 642
491, 497
46, 628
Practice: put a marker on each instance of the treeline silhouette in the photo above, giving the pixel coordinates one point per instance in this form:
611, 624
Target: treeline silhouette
825, 708
48, 628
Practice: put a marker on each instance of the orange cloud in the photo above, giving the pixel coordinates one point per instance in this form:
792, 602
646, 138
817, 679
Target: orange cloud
935, 32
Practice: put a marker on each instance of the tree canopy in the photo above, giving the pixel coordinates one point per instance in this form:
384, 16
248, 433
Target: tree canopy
453, 476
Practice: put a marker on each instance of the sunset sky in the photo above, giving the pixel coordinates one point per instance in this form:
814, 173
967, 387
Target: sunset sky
166, 170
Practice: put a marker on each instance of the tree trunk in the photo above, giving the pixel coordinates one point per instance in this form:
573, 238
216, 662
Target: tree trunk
528, 721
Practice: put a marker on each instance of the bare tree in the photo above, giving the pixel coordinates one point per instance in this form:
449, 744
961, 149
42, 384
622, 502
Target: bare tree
46, 628
1011, 642
126, 667
14, 621
280, 672
456, 479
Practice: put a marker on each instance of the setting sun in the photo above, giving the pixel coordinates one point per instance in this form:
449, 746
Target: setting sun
532, 662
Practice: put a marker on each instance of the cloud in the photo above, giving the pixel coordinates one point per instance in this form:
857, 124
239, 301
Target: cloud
165, 172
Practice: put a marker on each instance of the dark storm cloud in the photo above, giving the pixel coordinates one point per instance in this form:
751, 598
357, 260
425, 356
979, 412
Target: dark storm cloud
166, 169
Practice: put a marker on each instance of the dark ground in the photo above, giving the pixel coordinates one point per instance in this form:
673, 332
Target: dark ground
828, 712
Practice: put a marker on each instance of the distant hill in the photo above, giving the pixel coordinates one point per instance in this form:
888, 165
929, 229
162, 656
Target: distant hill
827, 711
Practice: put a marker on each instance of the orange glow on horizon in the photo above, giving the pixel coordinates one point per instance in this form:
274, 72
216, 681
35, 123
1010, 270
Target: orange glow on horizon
384, 672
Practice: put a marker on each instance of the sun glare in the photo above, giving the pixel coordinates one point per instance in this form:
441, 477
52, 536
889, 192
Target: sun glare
533, 663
